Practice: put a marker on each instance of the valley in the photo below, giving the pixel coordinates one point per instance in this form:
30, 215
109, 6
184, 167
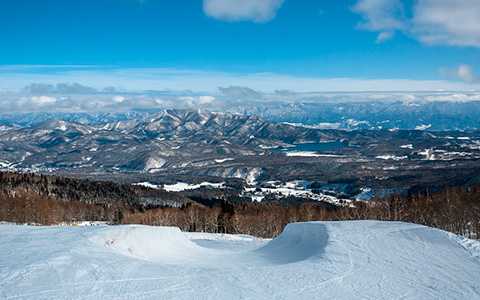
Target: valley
187, 146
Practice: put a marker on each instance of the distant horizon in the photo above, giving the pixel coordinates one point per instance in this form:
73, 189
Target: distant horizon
16, 77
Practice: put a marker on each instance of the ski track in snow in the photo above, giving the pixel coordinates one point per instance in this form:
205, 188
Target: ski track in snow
314, 260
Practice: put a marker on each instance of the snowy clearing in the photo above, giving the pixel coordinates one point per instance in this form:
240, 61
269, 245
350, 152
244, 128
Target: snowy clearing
423, 127
407, 146
315, 260
391, 157
286, 190
181, 186
219, 161
5, 164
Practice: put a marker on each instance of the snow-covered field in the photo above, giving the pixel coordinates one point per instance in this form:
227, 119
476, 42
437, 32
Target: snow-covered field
181, 186
286, 190
316, 260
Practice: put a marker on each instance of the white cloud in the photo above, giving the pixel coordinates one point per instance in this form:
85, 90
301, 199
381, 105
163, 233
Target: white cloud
242, 10
187, 98
456, 97
465, 73
207, 82
450, 22
462, 72
206, 99
384, 16
240, 92
202, 100
380, 15
102, 102
385, 36
118, 99
43, 100
435, 22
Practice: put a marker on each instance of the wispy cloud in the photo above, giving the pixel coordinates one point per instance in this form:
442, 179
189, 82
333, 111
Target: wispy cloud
462, 72
233, 99
140, 79
435, 22
447, 22
465, 73
210, 81
242, 10
385, 36
383, 16
43, 100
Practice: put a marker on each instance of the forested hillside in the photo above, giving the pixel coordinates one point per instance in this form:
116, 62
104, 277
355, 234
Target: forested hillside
39, 199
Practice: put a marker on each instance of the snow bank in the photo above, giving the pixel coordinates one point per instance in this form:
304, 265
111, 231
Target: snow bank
157, 244
472, 246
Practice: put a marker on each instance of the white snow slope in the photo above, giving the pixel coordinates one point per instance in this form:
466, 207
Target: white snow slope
315, 260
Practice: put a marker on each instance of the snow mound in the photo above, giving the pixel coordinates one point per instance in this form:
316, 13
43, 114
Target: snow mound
298, 242
157, 244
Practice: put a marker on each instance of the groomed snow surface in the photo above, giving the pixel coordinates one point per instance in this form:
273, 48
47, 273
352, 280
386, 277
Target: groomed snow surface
316, 260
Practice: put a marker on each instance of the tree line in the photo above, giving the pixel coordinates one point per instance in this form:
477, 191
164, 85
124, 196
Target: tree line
39, 199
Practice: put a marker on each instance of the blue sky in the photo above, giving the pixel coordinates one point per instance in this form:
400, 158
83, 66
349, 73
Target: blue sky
417, 40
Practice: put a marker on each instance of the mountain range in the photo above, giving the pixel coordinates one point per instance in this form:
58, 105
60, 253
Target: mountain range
169, 146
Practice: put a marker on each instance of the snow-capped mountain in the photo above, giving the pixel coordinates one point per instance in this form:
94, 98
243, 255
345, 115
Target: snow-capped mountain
182, 145
171, 138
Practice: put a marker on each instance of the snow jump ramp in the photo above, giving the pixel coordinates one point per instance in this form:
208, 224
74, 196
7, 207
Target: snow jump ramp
156, 244
297, 242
